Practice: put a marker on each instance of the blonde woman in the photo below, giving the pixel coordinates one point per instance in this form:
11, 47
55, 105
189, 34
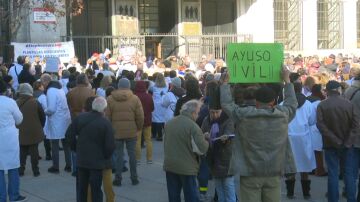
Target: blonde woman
158, 116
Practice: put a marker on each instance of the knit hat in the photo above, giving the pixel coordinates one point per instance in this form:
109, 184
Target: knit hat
176, 82
265, 95
25, 89
124, 83
332, 85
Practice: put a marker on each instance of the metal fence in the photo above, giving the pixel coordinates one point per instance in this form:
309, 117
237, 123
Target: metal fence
171, 44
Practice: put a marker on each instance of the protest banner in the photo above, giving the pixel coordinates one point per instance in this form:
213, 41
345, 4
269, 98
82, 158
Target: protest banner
62, 50
255, 62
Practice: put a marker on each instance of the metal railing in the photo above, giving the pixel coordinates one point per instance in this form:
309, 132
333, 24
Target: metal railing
171, 44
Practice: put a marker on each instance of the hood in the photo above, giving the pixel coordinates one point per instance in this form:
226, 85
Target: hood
22, 99
122, 95
140, 87
53, 84
178, 92
301, 98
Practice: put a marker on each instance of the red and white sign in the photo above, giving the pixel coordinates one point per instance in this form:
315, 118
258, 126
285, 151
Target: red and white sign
43, 15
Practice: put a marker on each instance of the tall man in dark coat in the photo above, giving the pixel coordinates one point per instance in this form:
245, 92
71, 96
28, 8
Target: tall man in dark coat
93, 136
338, 124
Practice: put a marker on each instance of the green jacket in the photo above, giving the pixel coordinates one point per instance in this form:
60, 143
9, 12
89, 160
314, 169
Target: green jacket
262, 145
179, 157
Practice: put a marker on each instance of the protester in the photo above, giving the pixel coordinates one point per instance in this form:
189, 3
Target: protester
31, 129
77, 96
126, 114
93, 137
353, 94
25, 76
10, 117
300, 140
169, 100
340, 138
182, 145
192, 92
104, 84
74, 63
263, 149
15, 71
65, 77
10, 91
219, 156
41, 98
148, 107
316, 140
158, 116
58, 120
76, 99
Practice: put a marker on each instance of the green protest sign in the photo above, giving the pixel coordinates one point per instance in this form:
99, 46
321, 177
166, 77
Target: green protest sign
255, 62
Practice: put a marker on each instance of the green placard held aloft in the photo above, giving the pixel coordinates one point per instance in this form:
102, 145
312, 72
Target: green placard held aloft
255, 62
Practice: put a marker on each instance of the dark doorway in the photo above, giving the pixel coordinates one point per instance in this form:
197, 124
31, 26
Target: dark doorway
167, 15
218, 16
94, 20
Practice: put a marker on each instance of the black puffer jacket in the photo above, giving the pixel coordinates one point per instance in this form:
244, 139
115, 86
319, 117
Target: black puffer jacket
220, 153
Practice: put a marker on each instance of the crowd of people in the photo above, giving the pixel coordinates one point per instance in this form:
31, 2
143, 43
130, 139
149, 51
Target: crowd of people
263, 132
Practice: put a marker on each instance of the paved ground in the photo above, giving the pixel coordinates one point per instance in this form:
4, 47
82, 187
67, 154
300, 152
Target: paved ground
152, 187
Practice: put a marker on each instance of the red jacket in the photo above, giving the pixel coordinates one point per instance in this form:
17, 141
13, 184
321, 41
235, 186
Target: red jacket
146, 101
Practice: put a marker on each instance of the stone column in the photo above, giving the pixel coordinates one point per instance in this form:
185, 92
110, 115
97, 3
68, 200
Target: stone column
309, 25
349, 24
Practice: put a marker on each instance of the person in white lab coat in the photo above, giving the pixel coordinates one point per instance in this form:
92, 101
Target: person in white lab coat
316, 139
300, 140
10, 117
58, 120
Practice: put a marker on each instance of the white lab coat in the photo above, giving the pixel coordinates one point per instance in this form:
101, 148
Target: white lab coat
300, 138
64, 83
10, 116
316, 137
15, 71
58, 114
169, 102
158, 115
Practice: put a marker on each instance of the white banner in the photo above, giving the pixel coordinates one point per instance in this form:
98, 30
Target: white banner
62, 50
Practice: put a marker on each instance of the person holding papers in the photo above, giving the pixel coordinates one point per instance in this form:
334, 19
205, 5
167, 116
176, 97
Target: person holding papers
221, 131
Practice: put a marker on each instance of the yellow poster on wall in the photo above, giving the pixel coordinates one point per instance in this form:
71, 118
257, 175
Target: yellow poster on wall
191, 28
